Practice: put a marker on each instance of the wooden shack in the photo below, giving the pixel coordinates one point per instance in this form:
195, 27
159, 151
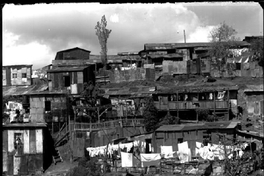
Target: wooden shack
70, 76
171, 135
26, 148
16, 75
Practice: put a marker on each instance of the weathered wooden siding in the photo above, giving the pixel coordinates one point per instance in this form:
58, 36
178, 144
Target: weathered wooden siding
74, 54
5, 150
4, 77
19, 71
174, 105
174, 67
58, 108
192, 136
37, 108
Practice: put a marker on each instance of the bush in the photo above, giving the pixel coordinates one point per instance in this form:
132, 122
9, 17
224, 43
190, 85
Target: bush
86, 167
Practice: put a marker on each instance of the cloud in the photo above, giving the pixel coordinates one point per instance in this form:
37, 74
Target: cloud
39, 31
201, 34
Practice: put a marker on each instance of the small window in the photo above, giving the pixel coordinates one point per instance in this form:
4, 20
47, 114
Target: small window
24, 75
67, 81
180, 140
238, 66
14, 75
47, 106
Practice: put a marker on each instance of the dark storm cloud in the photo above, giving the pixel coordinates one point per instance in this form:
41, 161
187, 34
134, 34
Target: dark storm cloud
56, 27
57, 32
135, 26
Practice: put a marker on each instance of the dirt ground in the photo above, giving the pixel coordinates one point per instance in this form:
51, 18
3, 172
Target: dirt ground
60, 168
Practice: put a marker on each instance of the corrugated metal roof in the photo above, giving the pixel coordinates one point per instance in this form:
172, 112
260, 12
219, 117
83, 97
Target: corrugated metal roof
66, 69
196, 88
72, 49
166, 46
197, 126
254, 88
173, 55
20, 90
24, 125
132, 91
114, 58
29, 90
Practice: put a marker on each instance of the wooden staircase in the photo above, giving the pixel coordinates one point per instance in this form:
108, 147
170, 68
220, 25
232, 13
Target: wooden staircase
62, 136
57, 157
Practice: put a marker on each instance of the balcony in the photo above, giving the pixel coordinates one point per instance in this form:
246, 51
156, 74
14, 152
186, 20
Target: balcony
187, 105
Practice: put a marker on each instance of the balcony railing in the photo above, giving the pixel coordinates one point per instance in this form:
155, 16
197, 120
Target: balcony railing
104, 125
174, 105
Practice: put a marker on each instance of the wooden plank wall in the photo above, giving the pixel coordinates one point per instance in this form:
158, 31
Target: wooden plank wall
37, 108
31, 158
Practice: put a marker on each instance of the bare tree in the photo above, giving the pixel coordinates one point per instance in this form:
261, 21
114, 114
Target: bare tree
103, 34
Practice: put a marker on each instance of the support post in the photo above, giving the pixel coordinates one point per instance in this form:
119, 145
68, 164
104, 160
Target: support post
214, 105
178, 104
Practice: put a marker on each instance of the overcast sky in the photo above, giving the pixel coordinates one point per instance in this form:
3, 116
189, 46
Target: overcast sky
32, 34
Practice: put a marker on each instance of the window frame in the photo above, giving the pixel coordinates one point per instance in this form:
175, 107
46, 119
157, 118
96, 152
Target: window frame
14, 75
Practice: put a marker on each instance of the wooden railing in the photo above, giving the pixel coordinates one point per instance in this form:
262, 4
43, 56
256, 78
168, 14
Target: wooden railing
104, 125
174, 105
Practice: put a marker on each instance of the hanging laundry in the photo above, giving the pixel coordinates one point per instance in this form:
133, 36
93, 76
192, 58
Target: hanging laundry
166, 151
211, 96
184, 156
185, 97
152, 159
221, 95
183, 146
246, 66
128, 146
246, 61
126, 159
150, 149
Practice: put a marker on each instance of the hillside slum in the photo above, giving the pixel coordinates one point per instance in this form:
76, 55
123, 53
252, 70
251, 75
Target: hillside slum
206, 119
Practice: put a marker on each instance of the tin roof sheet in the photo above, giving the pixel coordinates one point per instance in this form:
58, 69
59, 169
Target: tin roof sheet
197, 126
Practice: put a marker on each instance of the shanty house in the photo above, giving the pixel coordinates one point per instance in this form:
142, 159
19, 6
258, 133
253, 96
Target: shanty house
180, 58
171, 135
27, 148
74, 77
73, 54
254, 102
186, 101
16, 75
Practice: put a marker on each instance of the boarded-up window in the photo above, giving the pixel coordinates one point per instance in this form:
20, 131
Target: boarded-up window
47, 105
79, 77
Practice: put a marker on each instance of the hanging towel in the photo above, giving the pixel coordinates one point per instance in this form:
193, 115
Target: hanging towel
152, 159
126, 159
